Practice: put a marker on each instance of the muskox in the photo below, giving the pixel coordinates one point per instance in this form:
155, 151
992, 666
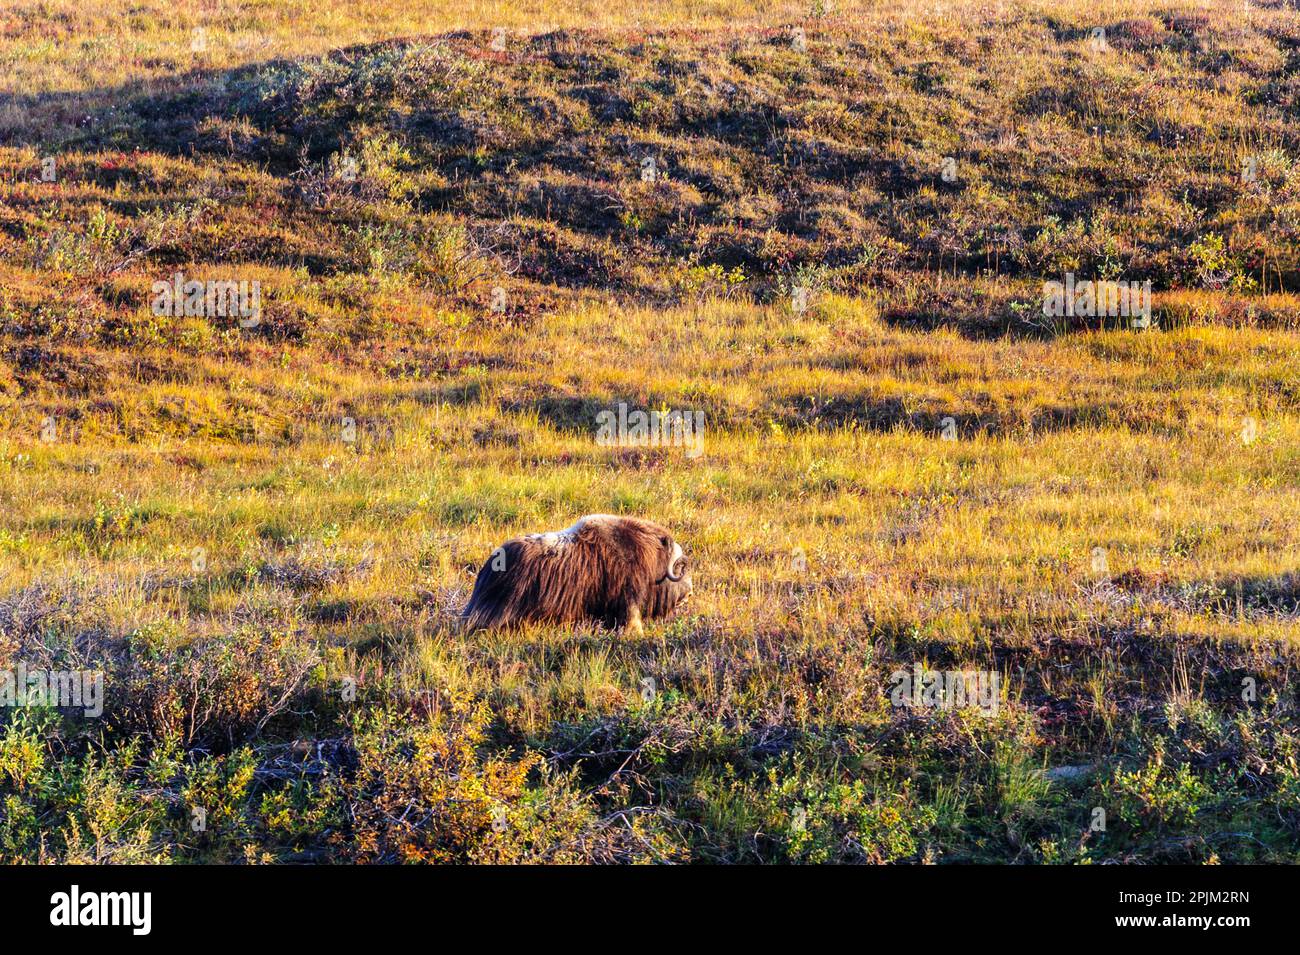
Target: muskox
617, 570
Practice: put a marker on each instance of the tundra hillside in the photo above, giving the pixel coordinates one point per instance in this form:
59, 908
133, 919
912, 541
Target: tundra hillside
827, 231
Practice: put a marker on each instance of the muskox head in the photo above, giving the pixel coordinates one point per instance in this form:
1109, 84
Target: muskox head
617, 570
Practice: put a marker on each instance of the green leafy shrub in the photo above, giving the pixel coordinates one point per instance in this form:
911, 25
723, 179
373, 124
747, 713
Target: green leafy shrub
1159, 793
424, 791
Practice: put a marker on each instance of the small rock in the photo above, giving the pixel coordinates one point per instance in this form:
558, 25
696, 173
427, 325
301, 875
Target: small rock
1059, 774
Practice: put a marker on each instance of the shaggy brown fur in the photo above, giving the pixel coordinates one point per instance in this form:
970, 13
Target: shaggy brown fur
617, 570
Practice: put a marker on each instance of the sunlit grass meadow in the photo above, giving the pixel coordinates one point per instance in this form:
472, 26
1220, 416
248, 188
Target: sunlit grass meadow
263, 536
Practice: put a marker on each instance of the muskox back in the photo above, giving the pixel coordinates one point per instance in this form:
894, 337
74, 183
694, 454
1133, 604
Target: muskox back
615, 570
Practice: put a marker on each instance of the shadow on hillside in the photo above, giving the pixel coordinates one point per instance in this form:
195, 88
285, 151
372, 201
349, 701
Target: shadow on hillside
540, 154
1234, 596
577, 413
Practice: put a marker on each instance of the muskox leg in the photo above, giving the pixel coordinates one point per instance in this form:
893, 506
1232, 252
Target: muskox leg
634, 621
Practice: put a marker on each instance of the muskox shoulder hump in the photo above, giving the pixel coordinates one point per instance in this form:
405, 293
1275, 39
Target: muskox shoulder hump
574, 531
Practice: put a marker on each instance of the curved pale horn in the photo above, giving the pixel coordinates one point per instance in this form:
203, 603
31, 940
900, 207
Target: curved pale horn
678, 560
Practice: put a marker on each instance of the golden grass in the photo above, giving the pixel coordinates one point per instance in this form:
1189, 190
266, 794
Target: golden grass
1078, 513
970, 540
